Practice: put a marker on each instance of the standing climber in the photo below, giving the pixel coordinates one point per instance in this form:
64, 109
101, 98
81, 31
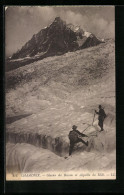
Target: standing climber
101, 116
74, 138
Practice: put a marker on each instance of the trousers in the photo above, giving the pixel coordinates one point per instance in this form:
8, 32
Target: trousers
73, 143
100, 123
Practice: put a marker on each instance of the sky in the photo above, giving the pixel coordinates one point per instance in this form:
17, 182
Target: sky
22, 22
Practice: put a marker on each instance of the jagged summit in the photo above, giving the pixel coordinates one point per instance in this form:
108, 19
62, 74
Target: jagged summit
56, 39
58, 22
58, 19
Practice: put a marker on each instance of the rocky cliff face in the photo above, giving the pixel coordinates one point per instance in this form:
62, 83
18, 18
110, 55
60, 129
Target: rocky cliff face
56, 39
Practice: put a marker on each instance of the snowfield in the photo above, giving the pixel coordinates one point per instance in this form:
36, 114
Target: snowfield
45, 98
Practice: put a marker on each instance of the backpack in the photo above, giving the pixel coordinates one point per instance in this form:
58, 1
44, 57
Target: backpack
73, 136
104, 114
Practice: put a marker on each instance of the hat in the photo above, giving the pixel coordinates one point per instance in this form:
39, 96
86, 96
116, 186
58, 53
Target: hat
74, 127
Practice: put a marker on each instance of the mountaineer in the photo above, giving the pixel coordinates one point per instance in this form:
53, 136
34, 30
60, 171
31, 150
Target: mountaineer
74, 138
101, 116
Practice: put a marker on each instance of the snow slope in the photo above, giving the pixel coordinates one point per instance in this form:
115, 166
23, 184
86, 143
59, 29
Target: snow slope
45, 98
28, 158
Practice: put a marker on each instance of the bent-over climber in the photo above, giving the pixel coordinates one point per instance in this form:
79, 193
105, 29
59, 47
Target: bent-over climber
101, 117
74, 138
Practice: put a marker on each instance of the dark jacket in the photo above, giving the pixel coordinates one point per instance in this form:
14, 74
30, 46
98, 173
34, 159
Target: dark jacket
75, 135
101, 114
81, 134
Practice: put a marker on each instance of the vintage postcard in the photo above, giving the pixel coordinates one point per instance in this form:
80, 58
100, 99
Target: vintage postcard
60, 93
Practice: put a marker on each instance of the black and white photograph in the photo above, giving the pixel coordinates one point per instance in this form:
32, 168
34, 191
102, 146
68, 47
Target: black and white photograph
60, 93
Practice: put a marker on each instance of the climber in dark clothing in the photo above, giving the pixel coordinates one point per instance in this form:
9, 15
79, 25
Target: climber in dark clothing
101, 117
74, 138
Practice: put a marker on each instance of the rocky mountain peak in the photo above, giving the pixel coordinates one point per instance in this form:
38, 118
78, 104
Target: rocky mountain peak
58, 23
56, 39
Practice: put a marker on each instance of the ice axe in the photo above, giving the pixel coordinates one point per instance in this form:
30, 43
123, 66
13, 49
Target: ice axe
92, 122
93, 118
86, 128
